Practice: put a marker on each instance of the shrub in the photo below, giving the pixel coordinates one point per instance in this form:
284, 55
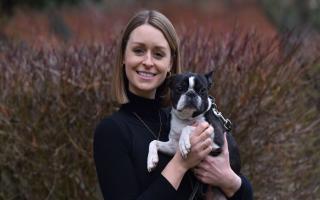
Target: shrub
52, 98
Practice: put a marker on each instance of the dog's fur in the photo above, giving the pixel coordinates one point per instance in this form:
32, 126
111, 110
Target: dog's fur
191, 104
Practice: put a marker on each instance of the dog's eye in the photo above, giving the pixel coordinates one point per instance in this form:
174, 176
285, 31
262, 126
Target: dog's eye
203, 91
179, 89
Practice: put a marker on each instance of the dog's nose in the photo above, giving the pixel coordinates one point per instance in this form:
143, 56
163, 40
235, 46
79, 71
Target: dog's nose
191, 94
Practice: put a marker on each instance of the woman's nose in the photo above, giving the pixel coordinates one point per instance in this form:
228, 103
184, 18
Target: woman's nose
148, 60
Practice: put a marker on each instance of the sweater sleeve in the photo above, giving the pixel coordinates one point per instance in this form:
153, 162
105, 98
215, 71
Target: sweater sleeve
245, 191
115, 171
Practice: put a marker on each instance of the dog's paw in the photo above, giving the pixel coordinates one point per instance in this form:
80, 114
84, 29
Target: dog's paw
153, 157
153, 160
215, 146
184, 145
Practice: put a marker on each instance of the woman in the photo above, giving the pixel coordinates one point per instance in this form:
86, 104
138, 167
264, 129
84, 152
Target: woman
148, 53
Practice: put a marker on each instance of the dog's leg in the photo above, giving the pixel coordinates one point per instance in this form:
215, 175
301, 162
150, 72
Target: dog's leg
215, 146
153, 157
168, 147
184, 142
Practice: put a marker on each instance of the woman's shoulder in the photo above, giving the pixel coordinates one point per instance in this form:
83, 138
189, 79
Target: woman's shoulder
167, 111
112, 119
110, 136
111, 124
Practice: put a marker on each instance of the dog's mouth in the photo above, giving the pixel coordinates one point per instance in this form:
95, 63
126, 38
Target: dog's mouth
188, 108
187, 111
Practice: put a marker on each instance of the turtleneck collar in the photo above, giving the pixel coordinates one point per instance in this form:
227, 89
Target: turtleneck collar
142, 106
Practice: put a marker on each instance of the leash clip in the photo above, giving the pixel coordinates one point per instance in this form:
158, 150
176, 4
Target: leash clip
226, 122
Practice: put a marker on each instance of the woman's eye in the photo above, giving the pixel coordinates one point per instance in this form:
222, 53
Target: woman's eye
138, 51
158, 55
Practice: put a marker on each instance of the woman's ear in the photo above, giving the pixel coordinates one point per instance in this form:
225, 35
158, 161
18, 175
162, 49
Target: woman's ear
169, 71
170, 67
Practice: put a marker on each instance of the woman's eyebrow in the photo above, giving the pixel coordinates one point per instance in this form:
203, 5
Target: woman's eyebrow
161, 48
138, 43
143, 44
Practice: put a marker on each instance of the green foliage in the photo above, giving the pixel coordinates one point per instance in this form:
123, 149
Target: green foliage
52, 98
294, 13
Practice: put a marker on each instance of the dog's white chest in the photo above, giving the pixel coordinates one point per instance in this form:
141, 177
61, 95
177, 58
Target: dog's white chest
177, 125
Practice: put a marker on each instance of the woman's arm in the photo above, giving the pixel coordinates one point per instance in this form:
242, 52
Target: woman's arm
115, 171
201, 144
245, 191
216, 171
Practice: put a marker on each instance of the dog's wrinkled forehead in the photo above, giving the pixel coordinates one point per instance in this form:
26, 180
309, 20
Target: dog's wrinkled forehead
190, 81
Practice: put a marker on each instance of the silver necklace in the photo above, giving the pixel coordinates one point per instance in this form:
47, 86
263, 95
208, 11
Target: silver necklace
147, 127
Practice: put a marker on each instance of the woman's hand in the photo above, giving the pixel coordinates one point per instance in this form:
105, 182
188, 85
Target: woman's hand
216, 171
201, 146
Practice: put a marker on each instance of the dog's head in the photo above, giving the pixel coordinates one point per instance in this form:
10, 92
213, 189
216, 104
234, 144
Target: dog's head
189, 93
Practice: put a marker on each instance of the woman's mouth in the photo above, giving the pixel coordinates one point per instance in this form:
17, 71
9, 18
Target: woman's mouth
146, 75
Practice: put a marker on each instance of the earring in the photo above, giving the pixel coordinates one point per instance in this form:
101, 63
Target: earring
168, 74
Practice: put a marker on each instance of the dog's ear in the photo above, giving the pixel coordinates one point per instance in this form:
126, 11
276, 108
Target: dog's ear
209, 77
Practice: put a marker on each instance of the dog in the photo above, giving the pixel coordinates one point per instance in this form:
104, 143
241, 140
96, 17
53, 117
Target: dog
192, 104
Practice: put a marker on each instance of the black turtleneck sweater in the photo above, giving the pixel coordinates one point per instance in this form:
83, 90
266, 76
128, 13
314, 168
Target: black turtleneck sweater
121, 144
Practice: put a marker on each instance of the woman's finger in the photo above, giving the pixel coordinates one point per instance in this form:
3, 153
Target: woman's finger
200, 174
202, 145
206, 151
203, 166
198, 171
206, 133
200, 128
206, 143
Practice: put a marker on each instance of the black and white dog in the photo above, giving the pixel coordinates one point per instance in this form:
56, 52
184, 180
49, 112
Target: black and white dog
190, 104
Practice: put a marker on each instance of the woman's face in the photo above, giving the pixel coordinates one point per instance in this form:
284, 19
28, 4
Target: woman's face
147, 60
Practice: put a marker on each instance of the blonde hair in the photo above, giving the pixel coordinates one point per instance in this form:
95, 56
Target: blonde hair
162, 23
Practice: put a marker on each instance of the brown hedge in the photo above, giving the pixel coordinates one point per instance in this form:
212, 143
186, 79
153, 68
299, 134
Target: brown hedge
52, 97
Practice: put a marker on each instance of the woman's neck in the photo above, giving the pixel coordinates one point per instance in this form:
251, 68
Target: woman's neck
144, 94
144, 107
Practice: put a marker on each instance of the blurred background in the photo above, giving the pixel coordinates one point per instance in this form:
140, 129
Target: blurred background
56, 64
54, 21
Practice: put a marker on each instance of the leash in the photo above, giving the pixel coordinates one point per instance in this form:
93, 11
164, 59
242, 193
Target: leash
225, 121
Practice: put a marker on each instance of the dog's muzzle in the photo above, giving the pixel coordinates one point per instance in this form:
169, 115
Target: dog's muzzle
192, 100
